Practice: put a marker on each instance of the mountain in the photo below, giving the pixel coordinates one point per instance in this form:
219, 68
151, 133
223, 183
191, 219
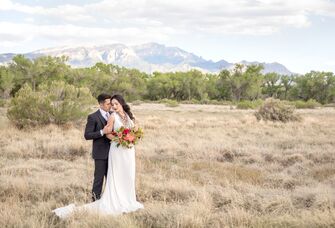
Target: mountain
270, 67
148, 57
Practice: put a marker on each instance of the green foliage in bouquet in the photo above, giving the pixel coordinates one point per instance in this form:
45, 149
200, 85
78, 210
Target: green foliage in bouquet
127, 137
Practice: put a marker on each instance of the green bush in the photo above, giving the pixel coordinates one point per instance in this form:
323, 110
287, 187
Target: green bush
192, 101
276, 110
137, 102
249, 104
29, 108
163, 101
221, 102
57, 103
311, 103
329, 105
206, 101
3, 103
171, 103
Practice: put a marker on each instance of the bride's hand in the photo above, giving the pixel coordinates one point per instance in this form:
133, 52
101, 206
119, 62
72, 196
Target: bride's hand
109, 136
109, 126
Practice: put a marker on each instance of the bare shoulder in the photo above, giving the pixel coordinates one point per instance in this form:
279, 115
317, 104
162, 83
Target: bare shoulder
111, 118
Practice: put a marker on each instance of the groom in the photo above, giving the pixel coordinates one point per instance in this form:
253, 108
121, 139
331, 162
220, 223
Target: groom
96, 130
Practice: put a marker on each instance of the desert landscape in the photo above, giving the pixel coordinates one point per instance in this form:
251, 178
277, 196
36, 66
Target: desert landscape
197, 166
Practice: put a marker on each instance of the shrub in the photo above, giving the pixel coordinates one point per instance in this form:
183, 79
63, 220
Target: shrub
137, 102
311, 103
192, 101
221, 102
68, 102
205, 101
171, 103
329, 105
276, 110
249, 104
29, 108
3, 103
57, 103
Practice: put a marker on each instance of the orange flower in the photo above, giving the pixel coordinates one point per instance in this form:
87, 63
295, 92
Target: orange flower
129, 137
126, 137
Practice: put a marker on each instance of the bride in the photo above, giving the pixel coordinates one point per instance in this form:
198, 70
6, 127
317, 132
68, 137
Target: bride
119, 194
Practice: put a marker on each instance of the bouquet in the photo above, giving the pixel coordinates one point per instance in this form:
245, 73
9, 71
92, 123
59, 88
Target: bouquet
126, 137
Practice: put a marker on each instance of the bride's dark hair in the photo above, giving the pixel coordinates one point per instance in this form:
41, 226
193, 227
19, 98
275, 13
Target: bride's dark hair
125, 106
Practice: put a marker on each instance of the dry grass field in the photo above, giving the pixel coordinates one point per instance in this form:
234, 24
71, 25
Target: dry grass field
198, 166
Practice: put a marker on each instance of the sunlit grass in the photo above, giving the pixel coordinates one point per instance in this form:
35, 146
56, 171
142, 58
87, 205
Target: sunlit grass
197, 166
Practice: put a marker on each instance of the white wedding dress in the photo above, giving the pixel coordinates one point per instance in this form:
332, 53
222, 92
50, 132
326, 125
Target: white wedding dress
119, 194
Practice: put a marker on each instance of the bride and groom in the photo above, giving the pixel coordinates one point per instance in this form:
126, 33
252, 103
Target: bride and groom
114, 164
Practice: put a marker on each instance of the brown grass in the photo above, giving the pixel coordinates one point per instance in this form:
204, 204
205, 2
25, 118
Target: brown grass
198, 166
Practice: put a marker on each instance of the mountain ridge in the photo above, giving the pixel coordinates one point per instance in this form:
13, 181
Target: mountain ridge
148, 57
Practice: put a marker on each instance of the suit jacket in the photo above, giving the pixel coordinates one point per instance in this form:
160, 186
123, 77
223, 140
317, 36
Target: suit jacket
101, 144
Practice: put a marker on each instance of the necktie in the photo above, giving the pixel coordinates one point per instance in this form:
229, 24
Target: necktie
107, 116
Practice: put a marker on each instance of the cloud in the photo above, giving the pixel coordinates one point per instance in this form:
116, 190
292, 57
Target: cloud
187, 14
11, 33
146, 20
253, 17
66, 12
330, 63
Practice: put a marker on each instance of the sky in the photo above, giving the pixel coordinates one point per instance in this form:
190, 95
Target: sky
299, 34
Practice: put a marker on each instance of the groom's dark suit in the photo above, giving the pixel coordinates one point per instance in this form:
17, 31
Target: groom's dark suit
100, 150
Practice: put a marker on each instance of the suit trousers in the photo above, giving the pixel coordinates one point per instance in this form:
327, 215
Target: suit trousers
100, 172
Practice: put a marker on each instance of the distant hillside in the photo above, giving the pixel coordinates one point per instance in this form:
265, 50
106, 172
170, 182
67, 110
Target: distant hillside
148, 57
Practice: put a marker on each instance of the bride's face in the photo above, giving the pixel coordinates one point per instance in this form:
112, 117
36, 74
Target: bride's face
116, 106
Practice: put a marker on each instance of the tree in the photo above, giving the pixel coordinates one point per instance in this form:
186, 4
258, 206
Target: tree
211, 86
179, 86
35, 72
241, 83
315, 85
286, 82
6, 82
254, 79
271, 86
131, 83
160, 86
56, 103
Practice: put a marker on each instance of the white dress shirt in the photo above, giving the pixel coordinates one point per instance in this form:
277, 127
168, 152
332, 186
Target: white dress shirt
105, 115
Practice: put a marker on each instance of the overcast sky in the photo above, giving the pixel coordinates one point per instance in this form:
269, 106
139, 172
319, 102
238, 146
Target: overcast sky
297, 33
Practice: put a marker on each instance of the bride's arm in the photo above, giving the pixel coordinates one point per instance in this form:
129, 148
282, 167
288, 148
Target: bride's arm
110, 124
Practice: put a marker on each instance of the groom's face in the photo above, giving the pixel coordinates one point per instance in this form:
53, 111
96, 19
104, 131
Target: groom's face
106, 105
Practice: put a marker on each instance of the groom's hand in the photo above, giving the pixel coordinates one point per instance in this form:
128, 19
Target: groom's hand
105, 130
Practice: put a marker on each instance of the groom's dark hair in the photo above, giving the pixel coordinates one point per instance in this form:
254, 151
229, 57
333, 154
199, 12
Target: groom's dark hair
102, 97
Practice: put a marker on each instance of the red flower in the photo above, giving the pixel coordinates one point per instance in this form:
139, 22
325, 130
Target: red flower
126, 137
126, 131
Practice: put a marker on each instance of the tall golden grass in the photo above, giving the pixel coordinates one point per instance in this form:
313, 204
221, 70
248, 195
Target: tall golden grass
197, 166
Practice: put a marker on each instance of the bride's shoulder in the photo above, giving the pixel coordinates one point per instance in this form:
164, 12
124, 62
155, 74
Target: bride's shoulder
111, 117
